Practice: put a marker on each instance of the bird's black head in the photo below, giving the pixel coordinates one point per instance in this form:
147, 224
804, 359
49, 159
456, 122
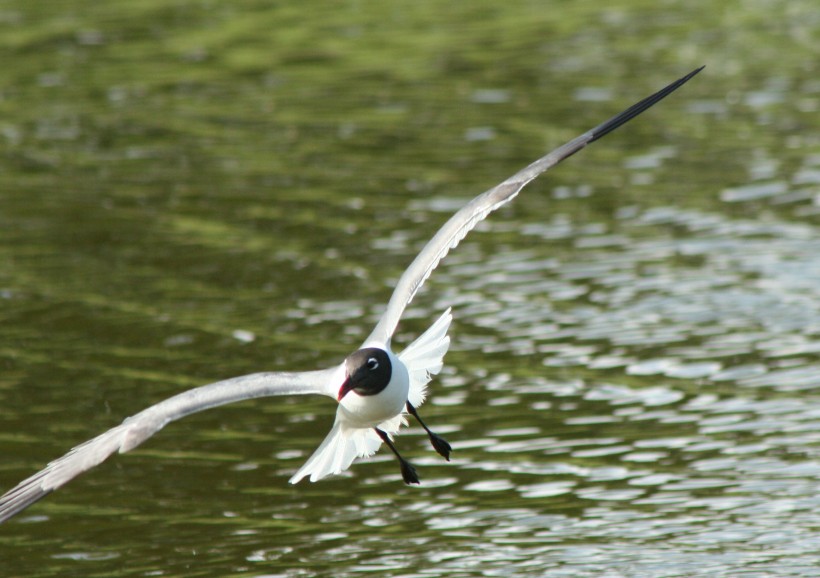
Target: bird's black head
367, 372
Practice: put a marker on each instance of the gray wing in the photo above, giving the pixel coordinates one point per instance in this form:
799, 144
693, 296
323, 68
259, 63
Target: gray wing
138, 428
477, 210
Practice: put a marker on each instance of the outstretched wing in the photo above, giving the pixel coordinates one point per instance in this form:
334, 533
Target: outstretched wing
138, 428
477, 210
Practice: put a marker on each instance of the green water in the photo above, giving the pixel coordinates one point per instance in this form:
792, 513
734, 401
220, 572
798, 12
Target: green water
195, 190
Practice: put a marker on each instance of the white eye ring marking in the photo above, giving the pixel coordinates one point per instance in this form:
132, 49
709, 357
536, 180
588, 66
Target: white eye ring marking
372, 363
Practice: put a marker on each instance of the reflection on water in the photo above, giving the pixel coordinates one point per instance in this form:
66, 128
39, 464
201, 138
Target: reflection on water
190, 193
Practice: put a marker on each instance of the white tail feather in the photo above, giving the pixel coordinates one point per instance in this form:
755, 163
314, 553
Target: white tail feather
338, 450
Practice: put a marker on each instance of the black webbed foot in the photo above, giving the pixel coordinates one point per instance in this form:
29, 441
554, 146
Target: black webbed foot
408, 472
442, 447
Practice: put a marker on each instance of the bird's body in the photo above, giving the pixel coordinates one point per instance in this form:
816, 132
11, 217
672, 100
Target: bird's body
352, 434
374, 386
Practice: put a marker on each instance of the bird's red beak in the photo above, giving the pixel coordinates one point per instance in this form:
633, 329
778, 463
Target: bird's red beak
347, 385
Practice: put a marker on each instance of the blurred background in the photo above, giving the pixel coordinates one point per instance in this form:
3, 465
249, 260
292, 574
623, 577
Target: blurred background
192, 190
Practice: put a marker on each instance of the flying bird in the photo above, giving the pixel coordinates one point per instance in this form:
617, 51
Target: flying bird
374, 386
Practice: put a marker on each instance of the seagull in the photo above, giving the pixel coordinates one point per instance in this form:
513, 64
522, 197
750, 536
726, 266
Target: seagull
375, 387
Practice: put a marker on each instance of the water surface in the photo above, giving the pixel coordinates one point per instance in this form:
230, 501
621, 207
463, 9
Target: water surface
192, 191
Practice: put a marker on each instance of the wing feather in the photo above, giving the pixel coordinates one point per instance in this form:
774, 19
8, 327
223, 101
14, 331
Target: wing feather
138, 428
424, 357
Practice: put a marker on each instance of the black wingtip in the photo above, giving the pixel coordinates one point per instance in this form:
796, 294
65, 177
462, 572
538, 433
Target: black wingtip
637, 108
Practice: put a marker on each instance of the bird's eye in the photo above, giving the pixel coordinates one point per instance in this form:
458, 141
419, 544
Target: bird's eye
372, 363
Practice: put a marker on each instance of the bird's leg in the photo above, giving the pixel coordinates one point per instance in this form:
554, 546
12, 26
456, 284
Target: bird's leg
408, 472
439, 443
